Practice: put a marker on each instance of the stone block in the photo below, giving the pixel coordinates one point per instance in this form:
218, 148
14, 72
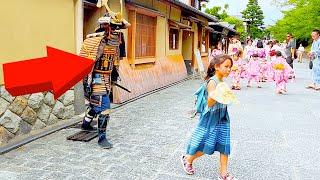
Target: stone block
38, 125
68, 98
36, 100
5, 94
49, 99
26, 96
18, 105
10, 121
3, 105
52, 120
44, 112
61, 97
24, 128
58, 110
29, 115
5, 135
69, 112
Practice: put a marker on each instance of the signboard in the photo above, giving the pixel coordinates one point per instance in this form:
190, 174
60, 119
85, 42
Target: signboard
199, 60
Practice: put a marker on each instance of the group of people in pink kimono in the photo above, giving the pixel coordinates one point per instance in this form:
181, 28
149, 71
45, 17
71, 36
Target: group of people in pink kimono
259, 63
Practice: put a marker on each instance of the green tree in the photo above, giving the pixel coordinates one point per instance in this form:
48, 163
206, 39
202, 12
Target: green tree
238, 26
218, 12
254, 14
301, 18
222, 15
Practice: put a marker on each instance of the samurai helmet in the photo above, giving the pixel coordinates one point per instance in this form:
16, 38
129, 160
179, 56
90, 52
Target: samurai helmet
112, 18
104, 20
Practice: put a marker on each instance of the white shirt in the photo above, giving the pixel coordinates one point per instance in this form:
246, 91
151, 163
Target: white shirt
301, 49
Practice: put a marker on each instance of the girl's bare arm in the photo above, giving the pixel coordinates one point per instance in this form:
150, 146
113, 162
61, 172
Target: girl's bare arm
211, 87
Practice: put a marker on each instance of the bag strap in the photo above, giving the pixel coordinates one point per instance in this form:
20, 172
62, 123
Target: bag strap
214, 78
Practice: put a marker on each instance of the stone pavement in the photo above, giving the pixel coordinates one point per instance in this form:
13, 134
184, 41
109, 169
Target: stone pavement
274, 137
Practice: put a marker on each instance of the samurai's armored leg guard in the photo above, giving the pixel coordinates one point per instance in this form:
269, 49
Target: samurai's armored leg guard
90, 114
102, 126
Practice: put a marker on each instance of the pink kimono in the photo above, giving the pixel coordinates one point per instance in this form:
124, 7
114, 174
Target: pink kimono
267, 49
265, 68
253, 70
265, 65
214, 53
249, 51
236, 74
281, 76
261, 53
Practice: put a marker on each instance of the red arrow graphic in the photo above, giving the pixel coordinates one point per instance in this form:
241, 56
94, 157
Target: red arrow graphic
59, 71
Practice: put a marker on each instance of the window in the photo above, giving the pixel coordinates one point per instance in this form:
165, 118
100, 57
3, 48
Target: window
145, 36
173, 38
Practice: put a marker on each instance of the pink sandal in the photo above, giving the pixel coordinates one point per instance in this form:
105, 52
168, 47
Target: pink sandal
187, 167
227, 177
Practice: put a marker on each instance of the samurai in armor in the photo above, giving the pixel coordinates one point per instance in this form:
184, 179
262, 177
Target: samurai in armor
106, 47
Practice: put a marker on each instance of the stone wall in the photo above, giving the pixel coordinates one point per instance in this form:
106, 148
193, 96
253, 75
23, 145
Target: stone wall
23, 114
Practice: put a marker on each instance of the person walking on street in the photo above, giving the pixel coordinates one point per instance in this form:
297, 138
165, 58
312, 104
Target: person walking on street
315, 58
300, 53
253, 70
213, 130
290, 49
282, 71
237, 70
249, 50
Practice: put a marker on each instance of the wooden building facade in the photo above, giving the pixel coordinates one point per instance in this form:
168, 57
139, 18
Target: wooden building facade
160, 43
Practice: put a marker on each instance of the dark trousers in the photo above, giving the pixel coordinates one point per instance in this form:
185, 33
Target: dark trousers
290, 61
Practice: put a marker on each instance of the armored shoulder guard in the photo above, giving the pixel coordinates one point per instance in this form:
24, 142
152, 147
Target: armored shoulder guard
90, 46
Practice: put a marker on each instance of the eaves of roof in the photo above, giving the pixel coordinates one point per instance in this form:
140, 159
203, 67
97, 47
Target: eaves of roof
192, 9
222, 25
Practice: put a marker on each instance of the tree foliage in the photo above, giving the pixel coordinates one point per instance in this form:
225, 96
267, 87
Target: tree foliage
238, 26
300, 19
254, 14
218, 12
222, 15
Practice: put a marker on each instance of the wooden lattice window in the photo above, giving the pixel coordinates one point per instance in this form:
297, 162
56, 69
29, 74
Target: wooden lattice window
173, 39
145, 42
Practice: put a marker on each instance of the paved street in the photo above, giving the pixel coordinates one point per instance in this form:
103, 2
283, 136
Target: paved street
274, 137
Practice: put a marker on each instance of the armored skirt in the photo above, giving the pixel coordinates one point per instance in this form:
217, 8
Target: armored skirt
212, 132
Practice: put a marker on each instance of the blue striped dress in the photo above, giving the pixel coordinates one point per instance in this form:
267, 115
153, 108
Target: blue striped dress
212, 132
315, 50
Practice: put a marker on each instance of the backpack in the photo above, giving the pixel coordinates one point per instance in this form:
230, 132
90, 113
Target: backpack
202, 95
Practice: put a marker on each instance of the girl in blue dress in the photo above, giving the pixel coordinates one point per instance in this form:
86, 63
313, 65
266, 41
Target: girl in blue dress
213, 130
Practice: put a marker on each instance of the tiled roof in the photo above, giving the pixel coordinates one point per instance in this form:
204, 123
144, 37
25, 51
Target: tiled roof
190, 8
